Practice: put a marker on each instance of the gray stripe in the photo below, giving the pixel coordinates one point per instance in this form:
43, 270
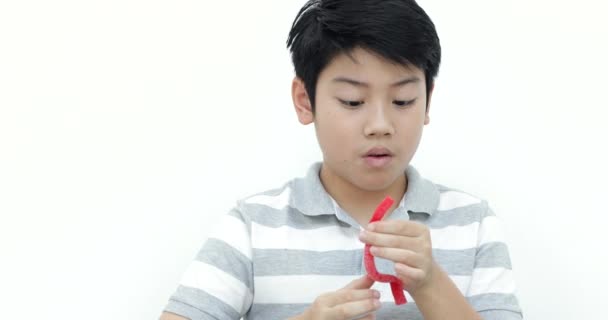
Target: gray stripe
275, 311
456, 262
408, 311
196, 304
288, 216
444, 189
456, 217
237, 214
219, 254
185, 310
283, 311
496, 301
277, 262
272, 262
492, 255
500, 315
390, 310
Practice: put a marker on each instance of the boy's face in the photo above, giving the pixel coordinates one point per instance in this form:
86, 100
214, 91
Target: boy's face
362, 104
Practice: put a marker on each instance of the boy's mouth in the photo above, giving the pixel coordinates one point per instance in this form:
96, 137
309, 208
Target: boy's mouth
378, 157
378, 152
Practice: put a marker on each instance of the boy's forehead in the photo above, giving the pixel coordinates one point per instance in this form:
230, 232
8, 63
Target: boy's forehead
360, 62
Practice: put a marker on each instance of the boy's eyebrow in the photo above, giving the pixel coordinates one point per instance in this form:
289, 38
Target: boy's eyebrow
356, 83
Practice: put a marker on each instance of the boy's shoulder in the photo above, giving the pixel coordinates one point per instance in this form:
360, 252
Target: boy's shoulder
304, 193
451, 198
458, 208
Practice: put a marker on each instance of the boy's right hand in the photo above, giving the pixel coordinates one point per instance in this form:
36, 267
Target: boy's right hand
351, 302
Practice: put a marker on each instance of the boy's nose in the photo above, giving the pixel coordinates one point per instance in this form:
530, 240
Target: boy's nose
379, 123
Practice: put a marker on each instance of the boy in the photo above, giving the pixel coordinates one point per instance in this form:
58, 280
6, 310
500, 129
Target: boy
364, 76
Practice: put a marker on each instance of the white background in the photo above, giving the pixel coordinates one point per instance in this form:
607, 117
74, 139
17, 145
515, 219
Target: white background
126, 127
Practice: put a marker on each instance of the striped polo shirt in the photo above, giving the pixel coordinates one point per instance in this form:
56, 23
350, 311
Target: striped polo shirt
276, 251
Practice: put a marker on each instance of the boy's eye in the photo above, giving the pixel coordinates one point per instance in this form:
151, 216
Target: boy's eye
403, 103
351, 103
355, 103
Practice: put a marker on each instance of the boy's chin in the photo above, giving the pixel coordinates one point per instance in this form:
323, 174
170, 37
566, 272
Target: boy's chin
376, 182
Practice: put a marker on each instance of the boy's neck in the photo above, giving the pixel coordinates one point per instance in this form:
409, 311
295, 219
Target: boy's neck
358, 203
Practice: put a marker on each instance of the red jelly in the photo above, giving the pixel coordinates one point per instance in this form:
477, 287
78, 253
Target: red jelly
370, 265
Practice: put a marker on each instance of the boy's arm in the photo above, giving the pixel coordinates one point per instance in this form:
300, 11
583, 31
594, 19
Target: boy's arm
171, 316
441, 299
218, 283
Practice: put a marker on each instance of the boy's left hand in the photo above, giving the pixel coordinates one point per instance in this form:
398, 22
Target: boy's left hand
406, 243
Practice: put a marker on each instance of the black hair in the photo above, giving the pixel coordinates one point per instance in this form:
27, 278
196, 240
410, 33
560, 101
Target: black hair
398, 30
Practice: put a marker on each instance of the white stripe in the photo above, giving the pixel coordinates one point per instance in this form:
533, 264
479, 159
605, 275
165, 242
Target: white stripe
491, 231
453, 199
491, 280
219, 284
469, 236
280, 289
455, 237
278, 202
338, 238
320, 239
296, 289
234, 232
306, 288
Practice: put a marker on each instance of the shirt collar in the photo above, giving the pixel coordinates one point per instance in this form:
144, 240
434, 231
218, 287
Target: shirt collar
310, 197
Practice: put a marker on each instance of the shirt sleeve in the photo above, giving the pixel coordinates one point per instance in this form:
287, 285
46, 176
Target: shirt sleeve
218, 283
492, 291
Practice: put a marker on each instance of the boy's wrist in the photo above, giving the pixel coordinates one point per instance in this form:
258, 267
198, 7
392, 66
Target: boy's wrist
430, 287
441, 299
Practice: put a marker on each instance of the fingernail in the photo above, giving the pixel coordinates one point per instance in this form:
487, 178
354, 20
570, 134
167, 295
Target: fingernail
377, 303
376, 294
373, 250
370, 227
362, 234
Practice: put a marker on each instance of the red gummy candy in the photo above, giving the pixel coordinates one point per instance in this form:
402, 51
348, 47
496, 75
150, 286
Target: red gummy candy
370, 265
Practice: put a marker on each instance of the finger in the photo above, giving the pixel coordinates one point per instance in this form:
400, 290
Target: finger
349, 295
364, 282
407, 273
398, 227
354, 309
403, 256
390, 240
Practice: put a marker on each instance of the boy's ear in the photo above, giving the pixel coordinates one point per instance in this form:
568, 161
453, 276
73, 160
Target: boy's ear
427, 118
301, 101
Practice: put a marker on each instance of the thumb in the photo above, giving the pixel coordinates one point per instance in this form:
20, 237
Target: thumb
364, 282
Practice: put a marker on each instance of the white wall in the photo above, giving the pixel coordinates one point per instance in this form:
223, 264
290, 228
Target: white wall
126, 127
